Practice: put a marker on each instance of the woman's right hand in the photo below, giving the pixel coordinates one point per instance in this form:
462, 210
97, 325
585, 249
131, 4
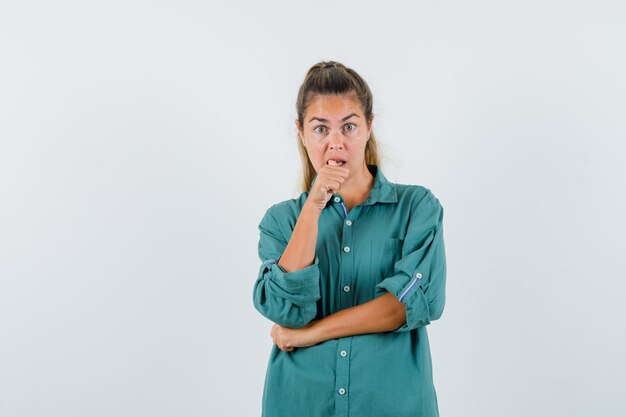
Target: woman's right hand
329, 180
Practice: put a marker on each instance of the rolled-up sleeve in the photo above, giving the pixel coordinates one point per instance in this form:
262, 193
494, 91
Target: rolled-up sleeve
419, 276
286, 298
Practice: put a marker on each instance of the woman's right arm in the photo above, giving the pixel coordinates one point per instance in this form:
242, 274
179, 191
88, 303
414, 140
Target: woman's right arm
300, 251
287, 287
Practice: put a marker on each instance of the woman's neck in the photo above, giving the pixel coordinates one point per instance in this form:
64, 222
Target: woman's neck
356, 190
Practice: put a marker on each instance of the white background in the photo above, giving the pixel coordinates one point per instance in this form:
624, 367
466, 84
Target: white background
142, 141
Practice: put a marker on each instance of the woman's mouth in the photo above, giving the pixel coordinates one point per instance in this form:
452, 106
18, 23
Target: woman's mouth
336, 162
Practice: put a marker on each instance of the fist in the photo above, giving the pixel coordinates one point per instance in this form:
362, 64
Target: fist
329, 180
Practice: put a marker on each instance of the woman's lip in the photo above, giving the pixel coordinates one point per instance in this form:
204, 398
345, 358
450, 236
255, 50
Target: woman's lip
336, 162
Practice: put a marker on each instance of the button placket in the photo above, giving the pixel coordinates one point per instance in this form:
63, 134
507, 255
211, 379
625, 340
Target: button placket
348, 259
337, 204
342, 381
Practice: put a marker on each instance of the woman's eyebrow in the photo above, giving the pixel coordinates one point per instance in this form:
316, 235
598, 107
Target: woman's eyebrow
326, 120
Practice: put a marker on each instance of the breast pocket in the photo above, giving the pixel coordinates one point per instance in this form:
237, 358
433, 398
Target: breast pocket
384, 254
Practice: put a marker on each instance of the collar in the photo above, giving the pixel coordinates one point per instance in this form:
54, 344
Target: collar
382, 192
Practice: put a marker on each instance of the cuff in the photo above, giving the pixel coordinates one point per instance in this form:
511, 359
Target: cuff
300, 286
410, 293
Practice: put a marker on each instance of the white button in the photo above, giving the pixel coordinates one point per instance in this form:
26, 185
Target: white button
343, 353
346, 249
346, 288
337, 199
342, 391
348, 222
418, 275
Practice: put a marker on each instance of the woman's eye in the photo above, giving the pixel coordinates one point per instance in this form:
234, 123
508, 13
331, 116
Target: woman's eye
319, 127
353, 126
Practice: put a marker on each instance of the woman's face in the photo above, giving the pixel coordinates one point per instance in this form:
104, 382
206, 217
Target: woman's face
335, 128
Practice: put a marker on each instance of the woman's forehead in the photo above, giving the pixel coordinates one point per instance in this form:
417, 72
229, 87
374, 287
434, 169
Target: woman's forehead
333, 106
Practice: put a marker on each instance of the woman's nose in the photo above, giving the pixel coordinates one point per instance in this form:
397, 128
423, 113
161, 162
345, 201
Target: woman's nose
336, 141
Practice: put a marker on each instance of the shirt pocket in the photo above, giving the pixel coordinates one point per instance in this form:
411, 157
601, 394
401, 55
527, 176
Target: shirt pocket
385, 252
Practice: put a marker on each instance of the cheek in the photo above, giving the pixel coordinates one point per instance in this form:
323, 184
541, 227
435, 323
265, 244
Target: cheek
356, 151
316, 155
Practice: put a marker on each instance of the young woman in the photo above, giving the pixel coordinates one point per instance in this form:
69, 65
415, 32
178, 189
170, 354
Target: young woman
352, 270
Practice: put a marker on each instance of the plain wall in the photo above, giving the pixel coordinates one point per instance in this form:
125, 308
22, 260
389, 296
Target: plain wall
141, 143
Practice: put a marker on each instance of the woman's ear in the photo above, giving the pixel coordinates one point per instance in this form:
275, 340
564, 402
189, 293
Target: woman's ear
300, 135
370, 126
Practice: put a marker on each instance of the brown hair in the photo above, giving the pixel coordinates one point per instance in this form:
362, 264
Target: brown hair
330, 77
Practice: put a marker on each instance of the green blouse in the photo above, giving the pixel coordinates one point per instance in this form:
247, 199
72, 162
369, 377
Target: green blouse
393, 242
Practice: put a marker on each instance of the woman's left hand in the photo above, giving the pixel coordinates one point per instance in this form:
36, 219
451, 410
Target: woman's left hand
287, 338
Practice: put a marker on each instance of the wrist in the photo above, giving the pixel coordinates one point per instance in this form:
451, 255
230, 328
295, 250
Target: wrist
311, 208
316, 331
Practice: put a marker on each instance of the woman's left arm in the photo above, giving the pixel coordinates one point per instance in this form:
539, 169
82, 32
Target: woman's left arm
382, 314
